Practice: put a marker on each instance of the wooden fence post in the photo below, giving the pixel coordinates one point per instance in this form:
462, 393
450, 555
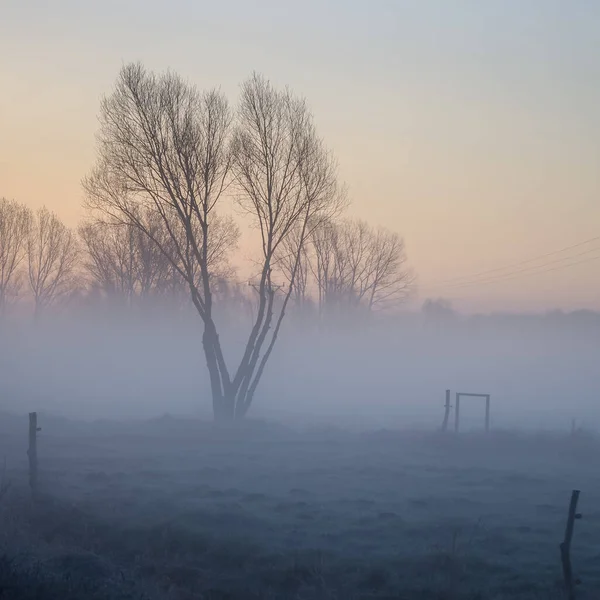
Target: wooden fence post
565, 547
32, 453
447, 412
456, 412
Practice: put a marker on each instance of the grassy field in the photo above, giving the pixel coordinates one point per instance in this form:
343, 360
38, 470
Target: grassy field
174, 508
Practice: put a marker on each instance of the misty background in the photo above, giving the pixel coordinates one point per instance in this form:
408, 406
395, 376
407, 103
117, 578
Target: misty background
388, 371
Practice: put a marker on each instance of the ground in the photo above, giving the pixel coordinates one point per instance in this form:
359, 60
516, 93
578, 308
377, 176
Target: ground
174, 508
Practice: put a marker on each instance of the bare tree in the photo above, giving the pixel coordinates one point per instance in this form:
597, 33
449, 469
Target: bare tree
287, 184
358, 267
330, 268
15, 221
52, 254
164, 152
109, 258
387, 280
295, 272
173, 151
126, 264
152, 273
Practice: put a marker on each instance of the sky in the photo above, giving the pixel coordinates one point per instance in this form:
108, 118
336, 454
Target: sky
472, 128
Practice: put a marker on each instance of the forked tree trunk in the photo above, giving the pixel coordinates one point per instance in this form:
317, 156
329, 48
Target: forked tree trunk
215, 378
223, 401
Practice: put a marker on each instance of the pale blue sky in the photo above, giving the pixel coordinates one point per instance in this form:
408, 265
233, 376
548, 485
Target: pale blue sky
472, 127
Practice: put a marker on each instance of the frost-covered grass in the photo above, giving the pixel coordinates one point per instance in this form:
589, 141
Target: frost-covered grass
176, 509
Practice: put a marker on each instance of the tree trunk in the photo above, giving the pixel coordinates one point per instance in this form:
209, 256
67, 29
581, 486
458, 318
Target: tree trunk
222, 407
37, 312
223, 403
215, 379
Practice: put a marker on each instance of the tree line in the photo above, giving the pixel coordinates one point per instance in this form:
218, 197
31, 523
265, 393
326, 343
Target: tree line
345, 266
174, 165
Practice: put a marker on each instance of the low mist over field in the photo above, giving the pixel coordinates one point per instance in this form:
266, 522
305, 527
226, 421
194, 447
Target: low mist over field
542, 371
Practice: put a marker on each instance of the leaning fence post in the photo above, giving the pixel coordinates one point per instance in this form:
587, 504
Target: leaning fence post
32, 452
565, 546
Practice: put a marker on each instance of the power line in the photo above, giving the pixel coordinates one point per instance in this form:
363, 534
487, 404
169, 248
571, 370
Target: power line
529, 270
516, 276
523, 262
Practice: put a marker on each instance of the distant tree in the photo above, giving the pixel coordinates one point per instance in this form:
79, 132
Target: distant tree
387, 280
108, 261
326, 263
438, 309
358, 267
296, 272
169, 150
52, 254
15, 221
234, 300
125, 264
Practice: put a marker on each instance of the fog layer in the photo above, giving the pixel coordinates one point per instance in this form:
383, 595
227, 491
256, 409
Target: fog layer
542, 372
